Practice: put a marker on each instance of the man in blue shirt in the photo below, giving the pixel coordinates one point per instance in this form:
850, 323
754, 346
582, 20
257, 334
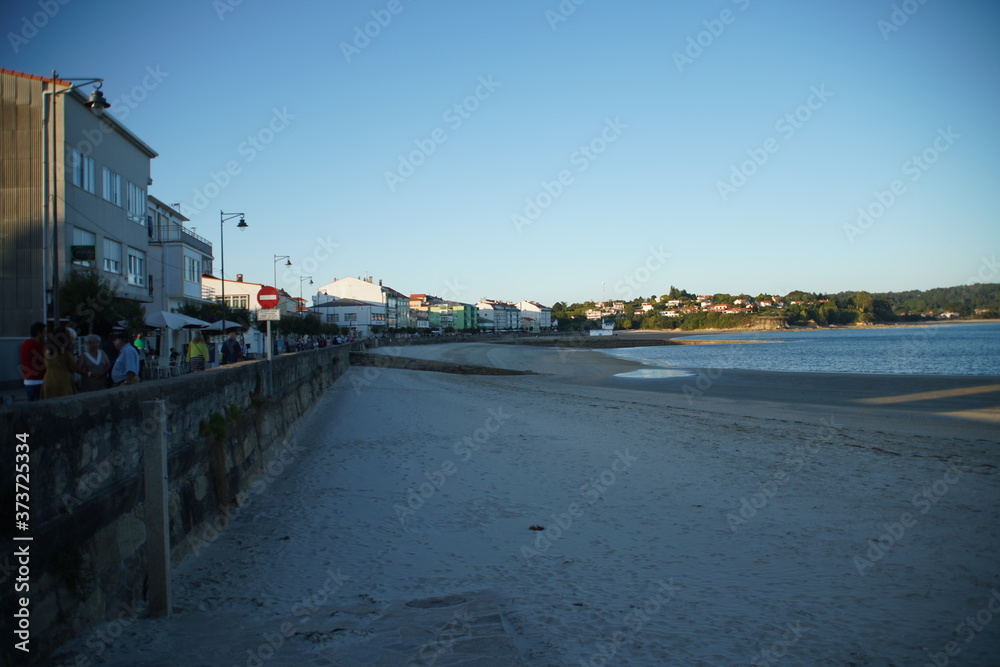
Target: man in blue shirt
126, 368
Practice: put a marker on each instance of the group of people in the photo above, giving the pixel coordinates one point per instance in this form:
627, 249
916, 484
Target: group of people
50, 367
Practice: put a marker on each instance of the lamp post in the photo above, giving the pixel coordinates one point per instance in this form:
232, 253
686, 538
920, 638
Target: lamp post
278, 258
302, 280
223, 217
97, 104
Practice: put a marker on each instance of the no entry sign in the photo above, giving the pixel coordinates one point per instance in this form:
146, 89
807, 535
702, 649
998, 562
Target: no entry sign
267, 297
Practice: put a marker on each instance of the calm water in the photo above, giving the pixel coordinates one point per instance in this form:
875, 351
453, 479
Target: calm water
950, 349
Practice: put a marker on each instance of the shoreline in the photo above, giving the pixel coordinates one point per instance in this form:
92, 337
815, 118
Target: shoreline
634, 337
942, 404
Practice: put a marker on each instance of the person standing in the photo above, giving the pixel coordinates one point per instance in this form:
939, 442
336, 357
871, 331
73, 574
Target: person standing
33, 361
197, 353
140, 346
93, 365
126, 368
231, 352
59, 365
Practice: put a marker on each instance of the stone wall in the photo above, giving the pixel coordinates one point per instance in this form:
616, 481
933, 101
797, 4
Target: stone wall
87, 553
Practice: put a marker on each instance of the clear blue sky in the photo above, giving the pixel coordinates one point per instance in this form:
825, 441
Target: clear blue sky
673, 130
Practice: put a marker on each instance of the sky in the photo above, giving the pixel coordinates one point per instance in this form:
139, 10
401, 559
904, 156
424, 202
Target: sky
555, 150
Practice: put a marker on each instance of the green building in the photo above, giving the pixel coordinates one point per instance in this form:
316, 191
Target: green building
459, 316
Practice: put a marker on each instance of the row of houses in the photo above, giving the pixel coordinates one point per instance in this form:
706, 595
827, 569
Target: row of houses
74, 184
366, 307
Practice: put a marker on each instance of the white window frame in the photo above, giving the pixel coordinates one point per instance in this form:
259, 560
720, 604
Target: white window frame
136, 267
83, 172
112, 187
83, 237
235, 301
192, 270
136, 203
112, 256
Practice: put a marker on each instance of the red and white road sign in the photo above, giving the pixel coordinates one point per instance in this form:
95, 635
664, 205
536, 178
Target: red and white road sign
267, 297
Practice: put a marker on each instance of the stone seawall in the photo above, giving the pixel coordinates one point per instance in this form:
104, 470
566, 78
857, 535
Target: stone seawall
86, 489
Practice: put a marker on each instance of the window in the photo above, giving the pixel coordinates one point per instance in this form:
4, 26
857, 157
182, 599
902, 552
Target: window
82, 237
83, 172
112, 187
332, 318
112, 256
136, 203
237, 301
136, 267
350, 317
192, 272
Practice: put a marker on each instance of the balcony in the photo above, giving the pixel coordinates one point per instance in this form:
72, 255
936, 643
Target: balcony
175, 232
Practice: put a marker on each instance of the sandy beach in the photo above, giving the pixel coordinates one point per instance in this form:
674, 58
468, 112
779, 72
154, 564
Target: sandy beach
752, 518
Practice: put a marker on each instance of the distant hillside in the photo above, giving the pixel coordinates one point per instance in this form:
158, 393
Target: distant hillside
962, 299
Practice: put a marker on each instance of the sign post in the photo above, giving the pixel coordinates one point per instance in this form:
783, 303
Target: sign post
268, 298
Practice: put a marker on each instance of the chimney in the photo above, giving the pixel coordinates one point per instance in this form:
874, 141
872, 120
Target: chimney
379, 282
239, 277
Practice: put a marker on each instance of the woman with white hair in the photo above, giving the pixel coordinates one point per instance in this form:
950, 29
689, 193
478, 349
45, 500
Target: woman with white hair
93, 365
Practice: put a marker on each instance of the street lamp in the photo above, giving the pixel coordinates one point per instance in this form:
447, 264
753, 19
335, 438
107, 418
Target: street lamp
223, 217
97, 104
278, 258
302, 280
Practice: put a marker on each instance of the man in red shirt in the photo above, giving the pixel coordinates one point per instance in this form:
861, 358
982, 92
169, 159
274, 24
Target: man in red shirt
33, 362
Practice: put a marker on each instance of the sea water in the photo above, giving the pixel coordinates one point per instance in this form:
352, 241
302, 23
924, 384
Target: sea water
948, 349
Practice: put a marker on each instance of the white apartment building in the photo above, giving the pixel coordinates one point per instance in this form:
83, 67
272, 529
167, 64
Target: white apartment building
534, 316
498, 315
394, 305
358, 316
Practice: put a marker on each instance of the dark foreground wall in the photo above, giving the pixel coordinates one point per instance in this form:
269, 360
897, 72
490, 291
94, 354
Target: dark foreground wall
86, 561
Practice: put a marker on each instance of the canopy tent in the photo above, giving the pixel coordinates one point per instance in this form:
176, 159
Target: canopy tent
229, 326
164, 320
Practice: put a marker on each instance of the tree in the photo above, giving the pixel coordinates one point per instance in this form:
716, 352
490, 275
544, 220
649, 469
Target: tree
94, 305
864, 302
